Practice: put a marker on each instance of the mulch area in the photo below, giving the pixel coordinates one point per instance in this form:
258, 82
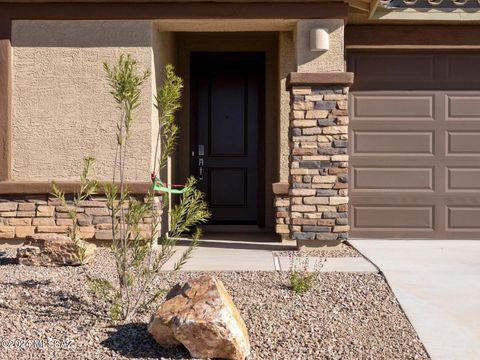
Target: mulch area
342, 250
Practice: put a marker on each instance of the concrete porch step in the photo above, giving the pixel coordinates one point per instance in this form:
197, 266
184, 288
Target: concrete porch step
223, 255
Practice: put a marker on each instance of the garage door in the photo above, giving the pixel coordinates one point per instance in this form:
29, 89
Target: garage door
415, 145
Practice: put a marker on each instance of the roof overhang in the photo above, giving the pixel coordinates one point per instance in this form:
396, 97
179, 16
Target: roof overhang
444, 5
398, 11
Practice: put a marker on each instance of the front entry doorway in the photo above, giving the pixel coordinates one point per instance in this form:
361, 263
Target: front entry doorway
227, 124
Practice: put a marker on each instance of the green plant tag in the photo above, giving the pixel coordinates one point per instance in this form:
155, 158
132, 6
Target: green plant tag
160, 186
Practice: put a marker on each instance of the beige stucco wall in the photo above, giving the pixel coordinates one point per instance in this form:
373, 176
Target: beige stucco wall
286, 64
163, 53
62, 109
332, 60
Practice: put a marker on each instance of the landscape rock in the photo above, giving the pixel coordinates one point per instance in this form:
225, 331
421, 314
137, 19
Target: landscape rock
347, 316
52, 250
201, 315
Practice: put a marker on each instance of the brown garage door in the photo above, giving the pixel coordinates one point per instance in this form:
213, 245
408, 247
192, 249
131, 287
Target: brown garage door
415, 145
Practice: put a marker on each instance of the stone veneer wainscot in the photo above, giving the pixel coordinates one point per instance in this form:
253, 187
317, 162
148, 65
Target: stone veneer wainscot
21, 216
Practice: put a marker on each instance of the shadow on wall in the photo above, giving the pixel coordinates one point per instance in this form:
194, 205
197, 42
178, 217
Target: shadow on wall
81, 33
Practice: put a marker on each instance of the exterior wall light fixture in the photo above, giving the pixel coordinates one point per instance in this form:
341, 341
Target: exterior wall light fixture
319, 40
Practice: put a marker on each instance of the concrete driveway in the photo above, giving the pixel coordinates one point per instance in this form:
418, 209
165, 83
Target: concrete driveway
437, 282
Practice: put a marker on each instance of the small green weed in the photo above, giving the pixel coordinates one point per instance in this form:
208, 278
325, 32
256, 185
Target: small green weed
302, 279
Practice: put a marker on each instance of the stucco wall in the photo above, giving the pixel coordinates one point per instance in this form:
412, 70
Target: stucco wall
62, 109
332, 60
163, 53
163, 46
286, 64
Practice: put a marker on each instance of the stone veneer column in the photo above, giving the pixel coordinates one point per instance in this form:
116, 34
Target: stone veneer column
318, 182
282, 209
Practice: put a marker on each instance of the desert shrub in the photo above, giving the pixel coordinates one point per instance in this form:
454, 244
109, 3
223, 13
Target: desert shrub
138, 259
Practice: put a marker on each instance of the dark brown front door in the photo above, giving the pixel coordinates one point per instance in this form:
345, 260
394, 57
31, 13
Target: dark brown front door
226, 98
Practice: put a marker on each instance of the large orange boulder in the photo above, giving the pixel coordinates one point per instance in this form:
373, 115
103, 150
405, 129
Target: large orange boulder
201, 315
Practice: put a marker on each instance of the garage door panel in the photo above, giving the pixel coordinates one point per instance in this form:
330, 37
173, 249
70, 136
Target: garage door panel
463, 107
415, 145
393, 217
463, 143
396, 214
463, 179
396, 143
393, 107
463, 218
396, 197
392, 178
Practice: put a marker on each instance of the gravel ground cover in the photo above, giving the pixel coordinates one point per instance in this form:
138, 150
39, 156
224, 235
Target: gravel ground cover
46, 313
342, 250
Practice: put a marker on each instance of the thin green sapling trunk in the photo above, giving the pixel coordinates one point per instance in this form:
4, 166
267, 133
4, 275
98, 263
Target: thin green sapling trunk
136, 259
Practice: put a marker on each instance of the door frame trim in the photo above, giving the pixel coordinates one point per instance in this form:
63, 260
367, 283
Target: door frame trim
261, 131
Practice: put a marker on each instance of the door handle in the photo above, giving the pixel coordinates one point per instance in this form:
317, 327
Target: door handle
201, 154
200, 169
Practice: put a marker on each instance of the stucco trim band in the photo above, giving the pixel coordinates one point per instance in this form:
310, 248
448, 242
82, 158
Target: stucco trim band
45, 187
172, 10
312, 79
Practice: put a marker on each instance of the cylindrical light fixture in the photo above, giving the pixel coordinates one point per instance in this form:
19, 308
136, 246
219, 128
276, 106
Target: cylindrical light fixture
319, 40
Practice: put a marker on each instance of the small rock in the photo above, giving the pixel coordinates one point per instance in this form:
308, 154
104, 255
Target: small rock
52, 250
201, 315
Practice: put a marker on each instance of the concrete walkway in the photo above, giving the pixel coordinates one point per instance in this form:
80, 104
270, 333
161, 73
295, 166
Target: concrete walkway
438, 285
224, 255
219, 255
